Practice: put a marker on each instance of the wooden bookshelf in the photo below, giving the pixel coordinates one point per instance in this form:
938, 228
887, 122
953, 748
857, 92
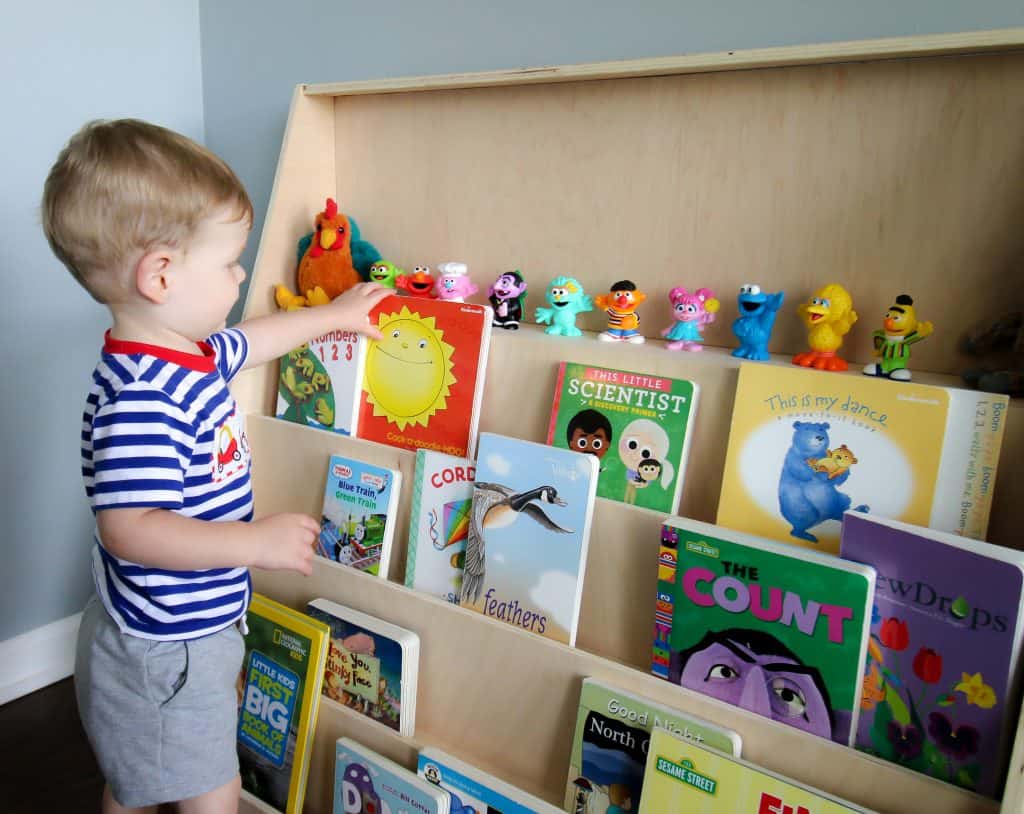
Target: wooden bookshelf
899, 171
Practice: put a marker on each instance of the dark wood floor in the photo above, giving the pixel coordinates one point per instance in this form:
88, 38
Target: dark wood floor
46, 765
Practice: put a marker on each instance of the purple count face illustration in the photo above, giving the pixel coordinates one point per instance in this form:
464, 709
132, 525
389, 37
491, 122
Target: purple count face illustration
755, 671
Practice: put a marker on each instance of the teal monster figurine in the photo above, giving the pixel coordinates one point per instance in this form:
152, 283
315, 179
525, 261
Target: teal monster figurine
385, 273
567, 300
900, 329
757, 318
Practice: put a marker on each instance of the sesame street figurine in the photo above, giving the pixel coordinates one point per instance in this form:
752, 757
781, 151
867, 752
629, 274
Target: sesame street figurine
332, 259
754, 325
692, 312
620, 305
567, 299
506, 295
418, 284
900, 329
828, 315
453, 283
384, 273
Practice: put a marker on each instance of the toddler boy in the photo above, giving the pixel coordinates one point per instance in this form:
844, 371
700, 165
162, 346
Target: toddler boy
153, 225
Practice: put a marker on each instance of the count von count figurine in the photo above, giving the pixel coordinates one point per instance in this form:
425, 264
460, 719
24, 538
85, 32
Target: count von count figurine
757, 318
567, 299
506, 295
900, 329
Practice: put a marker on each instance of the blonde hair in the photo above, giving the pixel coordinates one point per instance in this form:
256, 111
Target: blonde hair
120, 188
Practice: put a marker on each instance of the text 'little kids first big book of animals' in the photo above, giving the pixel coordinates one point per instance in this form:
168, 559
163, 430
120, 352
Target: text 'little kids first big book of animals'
637, 425
942, 676
442, 493
423, 379
609, 749
774, 629
357, 525
683, 777
807, 445
529, 526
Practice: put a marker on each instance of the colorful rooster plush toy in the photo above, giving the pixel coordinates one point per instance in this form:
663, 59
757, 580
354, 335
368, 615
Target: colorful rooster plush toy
332, 259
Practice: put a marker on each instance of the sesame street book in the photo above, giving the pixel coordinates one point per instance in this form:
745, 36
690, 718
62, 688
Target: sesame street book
807, 445
357, 524
942, 676
777, 630
371, 665
637, 425
474, 791
319, 382
683, 776
439, 524
529, 527
369, 783
609, 749
283, 668
423, 380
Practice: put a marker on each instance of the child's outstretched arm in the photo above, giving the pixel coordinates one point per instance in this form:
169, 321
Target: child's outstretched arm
159, 538
273, 335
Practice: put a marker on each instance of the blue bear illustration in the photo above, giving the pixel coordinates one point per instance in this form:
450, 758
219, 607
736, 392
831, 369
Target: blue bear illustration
807, 497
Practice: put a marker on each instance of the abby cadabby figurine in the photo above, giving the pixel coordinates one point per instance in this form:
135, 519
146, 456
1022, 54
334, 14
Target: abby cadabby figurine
453, 283
692, 312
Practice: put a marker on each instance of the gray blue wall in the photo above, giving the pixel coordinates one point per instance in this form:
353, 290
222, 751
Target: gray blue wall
232, 65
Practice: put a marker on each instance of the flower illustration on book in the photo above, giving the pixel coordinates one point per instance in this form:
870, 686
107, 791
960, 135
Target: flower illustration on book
928, 665
977, 691
907, 741
957, 742
893, 634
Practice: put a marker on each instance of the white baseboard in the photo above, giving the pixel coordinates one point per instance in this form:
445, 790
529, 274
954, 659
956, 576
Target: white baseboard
38, 658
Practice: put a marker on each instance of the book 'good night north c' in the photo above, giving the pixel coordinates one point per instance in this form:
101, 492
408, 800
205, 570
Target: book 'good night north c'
807, 445
775, 629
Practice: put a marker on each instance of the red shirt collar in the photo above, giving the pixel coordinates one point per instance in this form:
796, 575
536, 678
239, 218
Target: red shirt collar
202, 361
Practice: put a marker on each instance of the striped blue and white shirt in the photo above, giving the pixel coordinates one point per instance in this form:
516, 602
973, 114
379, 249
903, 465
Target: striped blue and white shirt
160, 429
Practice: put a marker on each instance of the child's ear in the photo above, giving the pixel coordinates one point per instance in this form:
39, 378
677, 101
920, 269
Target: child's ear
152, 274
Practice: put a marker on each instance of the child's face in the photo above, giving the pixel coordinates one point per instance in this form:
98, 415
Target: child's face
206, 274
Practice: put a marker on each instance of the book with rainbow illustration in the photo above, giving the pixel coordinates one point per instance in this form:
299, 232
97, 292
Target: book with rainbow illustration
807, 445
687, 777
943, 671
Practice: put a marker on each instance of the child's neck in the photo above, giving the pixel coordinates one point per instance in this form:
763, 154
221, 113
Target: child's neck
130, 326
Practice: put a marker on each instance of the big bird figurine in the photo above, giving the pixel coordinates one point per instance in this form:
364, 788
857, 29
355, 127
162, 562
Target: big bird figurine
332, 259
828, 315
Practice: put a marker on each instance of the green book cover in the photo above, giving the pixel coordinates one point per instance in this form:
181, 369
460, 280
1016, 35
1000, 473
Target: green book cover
609, 749
638, 426
778, 630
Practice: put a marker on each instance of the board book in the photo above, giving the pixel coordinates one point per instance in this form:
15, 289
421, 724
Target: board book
357, 524
423, 380
442, 493
637, 425
806, 445
609, 748
941, 682
683, 776
474, 791
777, 630
279, 686
528, 532
319, 384
372, 665
369, 783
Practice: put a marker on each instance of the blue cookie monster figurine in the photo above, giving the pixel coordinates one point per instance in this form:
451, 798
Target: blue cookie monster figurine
757, 318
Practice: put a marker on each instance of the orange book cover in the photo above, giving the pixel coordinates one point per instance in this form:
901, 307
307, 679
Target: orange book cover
423, 380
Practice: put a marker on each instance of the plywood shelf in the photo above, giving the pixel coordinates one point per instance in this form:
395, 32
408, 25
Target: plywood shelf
889, 174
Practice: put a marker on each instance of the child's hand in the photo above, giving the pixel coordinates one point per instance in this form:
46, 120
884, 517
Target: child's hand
285, 542
350, 310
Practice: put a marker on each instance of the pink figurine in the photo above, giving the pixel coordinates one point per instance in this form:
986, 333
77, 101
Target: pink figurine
453, 284
693, 312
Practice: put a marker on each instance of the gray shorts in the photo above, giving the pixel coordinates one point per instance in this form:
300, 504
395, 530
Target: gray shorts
161, 716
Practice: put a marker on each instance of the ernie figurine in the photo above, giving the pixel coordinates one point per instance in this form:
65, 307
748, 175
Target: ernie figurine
620, 304
900, 330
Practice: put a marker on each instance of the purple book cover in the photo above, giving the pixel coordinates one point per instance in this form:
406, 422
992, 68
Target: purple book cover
944, 642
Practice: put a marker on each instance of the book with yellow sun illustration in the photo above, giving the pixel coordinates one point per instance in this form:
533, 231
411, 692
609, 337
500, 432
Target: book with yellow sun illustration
423, 380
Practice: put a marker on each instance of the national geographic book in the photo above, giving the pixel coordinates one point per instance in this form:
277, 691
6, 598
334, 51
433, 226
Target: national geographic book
637, 425
775, 629
279, 695
807, 445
